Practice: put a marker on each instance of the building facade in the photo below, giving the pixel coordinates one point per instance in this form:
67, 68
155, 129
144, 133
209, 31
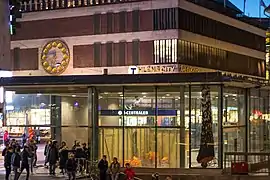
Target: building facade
159, 84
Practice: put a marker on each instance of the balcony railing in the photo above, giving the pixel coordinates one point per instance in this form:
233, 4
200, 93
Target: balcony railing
43, 5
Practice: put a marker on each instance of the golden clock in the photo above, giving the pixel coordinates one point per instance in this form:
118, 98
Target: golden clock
55, 57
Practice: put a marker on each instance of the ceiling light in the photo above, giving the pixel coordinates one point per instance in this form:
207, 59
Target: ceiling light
73, 95
163, 97
144, 96
167, 94
120, 93
105, 92
143, 93
39, 94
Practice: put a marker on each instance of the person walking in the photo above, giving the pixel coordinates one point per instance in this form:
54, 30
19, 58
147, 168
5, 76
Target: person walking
25, 162
33, 154
53, 157
115, 169
63, 153
103, 167
16, 161
46, 152
71, 167
7, 162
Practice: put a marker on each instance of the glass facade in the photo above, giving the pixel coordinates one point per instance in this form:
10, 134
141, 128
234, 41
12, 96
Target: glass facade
148, 126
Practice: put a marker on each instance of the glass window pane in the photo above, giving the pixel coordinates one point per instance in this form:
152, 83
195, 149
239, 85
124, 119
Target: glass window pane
204, 115
139, 122
234, 120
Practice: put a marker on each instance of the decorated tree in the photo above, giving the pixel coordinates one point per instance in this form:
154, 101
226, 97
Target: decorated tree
206, 152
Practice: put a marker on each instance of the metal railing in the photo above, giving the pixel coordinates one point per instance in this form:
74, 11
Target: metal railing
89, 169
251, 163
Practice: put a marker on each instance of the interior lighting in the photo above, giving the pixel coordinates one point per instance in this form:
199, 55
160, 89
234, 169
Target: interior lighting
167, 94
144, 93
73, 95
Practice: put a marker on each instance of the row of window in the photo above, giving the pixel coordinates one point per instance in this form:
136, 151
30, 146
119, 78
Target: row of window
113, 18
174, 18
184, 52
111, 54
41, 5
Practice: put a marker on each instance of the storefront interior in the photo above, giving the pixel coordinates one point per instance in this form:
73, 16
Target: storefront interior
155, 127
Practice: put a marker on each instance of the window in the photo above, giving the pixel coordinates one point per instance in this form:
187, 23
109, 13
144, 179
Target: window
122, 53
195, 23
109, 23
97, 54
135, 52
135, 20
165, 19
97, 23
109, 46
165, 51
122, 21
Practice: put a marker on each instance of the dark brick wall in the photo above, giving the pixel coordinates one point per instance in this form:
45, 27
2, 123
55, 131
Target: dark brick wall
121, 54
85, 25
24, 59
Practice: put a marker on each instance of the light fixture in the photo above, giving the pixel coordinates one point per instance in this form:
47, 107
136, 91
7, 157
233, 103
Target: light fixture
119, 92
144, 93
73, 95
39, 94
105, 92
167, 94
22, 97
144, 96
163, 97
121, 95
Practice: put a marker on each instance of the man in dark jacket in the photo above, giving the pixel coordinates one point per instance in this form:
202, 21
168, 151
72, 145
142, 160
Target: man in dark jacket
16, 163
53, 157
7, 162
25, 163
103, 167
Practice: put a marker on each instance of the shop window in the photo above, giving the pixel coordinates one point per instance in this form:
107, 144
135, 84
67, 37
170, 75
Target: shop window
234, 120
259, 118
172, 120
204, 113
165, 51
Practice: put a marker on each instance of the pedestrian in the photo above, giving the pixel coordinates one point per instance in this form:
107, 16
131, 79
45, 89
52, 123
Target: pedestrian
25, 162
129, 172
7, 162
115, 169
24, 138
32, 153
103, 167
79, 155
53, 157
46, 152
71, 167
5, 149
63, 153
6, 137
16, 162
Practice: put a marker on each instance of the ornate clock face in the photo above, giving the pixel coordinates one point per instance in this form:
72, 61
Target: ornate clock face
55, 57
